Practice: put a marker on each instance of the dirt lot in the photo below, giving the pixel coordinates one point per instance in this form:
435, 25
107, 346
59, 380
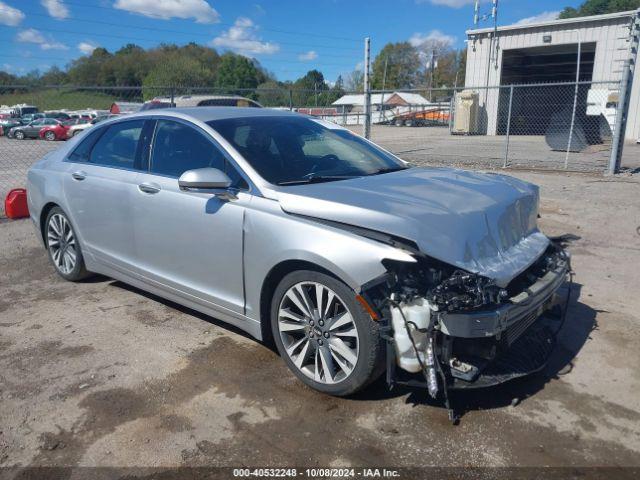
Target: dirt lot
101, 374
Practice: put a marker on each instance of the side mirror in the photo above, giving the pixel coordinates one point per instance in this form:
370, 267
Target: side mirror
206, 179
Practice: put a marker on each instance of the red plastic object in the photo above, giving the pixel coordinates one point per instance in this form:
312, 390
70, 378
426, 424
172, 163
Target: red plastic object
15, 205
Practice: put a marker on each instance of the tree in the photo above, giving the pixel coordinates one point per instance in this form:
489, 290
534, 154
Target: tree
177, 71
355, 81
53, 76
273, 94
599, 7
237, 72
310, 90
402, 64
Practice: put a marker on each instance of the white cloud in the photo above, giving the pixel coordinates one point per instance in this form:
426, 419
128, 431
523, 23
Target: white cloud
418, 39
542, 17
310, 55
56, 8
242, 38
87, 48
200, 10
10, 16
31, 35
449, 3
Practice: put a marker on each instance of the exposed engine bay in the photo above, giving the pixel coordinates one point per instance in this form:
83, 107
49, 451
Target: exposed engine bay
460, 330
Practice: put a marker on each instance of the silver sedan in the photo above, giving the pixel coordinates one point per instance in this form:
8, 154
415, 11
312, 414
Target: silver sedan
304, 234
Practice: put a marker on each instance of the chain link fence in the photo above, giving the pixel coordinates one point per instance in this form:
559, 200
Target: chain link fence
551, 126
565, 126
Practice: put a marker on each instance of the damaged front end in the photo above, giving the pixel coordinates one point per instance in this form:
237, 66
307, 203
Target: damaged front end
450, 329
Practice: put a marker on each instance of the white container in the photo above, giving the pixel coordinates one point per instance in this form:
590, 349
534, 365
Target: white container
419, 313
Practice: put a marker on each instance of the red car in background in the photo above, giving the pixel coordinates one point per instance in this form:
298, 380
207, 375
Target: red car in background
59, 131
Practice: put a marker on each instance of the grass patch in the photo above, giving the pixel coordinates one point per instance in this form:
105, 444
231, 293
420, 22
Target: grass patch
69, 99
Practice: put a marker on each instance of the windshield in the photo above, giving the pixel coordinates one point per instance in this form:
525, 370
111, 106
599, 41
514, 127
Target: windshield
291, 150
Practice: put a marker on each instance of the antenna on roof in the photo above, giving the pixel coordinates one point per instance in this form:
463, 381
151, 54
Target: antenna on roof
477, 17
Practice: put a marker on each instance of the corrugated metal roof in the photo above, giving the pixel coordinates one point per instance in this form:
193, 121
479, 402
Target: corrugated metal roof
564, 21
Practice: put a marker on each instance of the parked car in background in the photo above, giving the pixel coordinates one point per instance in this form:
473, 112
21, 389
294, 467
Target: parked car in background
57, 115
200, 101
7, 124
30, 117
24, 109
157, 103
60, 131
81, 127
31, 130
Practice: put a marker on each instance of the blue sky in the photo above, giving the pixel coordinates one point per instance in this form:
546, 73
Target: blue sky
289, 37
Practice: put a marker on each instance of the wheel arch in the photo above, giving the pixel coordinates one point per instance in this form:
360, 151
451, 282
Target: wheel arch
43, 218
271, 281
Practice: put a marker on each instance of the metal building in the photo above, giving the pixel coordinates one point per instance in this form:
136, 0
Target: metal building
547, 53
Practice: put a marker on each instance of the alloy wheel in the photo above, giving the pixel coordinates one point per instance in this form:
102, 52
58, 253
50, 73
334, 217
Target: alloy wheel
318, 332
61, 243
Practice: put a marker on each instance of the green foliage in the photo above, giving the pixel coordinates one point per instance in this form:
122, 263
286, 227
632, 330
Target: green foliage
312, 90
272, 94
177, 71
403, 67
57, 99
599, 7
237, 72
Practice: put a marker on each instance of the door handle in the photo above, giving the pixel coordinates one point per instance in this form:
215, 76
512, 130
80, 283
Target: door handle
149, 188
80, 175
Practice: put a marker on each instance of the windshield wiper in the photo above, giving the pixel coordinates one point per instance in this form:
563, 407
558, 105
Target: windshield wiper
380, 171
316, 179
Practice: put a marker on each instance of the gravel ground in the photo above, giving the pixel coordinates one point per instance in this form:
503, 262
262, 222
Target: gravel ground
101, 374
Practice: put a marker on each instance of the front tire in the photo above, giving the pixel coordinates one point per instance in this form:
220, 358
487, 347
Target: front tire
324, 335
49, 136
63, 246
19, 135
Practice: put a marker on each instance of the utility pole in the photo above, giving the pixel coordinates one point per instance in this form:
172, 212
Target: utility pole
384, 85
628, 69
575, 100
367, 88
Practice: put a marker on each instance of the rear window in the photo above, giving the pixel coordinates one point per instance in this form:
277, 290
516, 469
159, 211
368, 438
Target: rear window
118, 146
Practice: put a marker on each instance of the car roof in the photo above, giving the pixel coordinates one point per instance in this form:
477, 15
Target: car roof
207, 114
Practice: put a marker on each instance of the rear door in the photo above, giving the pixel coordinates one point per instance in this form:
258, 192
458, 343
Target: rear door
100, 183
34, 127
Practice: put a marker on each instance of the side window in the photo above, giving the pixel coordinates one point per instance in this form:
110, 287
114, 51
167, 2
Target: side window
118, 146
82, 151
179, 147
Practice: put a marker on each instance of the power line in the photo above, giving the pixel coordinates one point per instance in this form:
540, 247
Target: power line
140, 39
167, 30
226, 24
291, 62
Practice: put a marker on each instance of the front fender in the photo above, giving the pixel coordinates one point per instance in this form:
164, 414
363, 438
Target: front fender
272, 237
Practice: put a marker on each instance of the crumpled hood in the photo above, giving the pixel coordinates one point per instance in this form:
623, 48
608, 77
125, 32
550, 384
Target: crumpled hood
480, 222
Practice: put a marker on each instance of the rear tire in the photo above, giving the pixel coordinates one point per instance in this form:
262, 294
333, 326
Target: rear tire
49, 136
19, 135
334, 346
63, 247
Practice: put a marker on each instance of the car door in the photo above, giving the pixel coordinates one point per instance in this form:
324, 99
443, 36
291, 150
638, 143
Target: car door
190, 242
100, 183
33, 128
